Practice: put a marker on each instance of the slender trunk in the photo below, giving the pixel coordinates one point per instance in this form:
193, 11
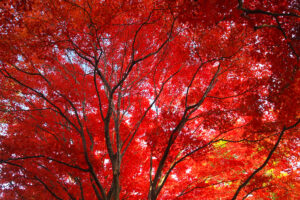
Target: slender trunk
116, 178
152, 193
116, 192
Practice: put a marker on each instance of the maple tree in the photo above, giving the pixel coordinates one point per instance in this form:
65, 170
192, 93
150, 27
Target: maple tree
152, 99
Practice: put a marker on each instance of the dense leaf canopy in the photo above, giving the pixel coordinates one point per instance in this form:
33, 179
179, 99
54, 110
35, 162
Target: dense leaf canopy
149, 99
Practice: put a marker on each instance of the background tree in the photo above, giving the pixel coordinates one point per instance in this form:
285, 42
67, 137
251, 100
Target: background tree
149, 99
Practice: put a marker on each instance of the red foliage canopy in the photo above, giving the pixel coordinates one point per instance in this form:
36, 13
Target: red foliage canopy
152, 99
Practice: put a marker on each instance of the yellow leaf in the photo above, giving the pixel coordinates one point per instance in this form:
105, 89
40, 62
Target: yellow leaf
220, 144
